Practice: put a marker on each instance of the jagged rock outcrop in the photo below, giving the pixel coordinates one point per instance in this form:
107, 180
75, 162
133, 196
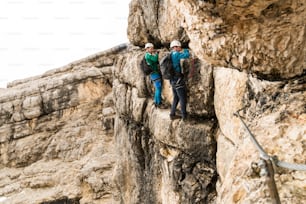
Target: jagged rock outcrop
89, 133
257, 51
57, 135
175, 161
266, 38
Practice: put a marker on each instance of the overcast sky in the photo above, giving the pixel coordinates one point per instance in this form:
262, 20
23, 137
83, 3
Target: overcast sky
39, 35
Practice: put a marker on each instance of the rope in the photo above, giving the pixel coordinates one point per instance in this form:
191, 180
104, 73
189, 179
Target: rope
264, 155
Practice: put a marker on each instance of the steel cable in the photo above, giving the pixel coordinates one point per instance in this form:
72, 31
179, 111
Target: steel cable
264, 155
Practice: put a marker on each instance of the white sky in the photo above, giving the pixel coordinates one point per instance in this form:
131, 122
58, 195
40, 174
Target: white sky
39, 35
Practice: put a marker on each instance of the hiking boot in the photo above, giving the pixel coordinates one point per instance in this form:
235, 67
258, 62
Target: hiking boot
173, 117
162, 106
184, 118
157, 105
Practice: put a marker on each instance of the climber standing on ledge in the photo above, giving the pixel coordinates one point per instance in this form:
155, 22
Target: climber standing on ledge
151, 57
177, 81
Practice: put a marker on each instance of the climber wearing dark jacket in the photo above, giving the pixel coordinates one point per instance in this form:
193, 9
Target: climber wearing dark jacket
177, 81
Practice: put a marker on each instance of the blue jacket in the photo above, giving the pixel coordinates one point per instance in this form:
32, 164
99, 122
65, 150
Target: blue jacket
176, 58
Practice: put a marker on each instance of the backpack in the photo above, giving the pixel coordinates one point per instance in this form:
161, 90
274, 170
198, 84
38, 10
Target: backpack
145, 67
166, 67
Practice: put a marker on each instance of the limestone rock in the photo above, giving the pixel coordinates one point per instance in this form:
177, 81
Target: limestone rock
88, 132
266, 38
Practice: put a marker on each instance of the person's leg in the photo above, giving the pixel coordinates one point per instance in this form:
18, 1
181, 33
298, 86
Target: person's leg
181, 93
174, 102
158, 96
158, 90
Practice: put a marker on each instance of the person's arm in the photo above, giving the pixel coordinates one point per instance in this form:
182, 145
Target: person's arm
151, 59
184, 54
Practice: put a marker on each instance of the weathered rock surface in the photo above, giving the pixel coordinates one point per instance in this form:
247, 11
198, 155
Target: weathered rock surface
88, 132
53, 143
275, 114
266, 38
257, 51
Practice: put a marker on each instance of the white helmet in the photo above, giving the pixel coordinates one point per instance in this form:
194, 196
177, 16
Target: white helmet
175, 43
148, 45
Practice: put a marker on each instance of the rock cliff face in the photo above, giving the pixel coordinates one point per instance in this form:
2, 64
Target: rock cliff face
89, 133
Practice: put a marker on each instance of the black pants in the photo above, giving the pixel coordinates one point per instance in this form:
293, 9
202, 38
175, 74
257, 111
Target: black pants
179, 95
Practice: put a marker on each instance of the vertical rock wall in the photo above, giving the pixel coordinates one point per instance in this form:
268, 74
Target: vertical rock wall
163, 161
256, 50
89, 133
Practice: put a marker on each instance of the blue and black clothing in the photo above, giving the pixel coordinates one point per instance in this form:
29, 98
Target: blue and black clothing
152, 60
178, 83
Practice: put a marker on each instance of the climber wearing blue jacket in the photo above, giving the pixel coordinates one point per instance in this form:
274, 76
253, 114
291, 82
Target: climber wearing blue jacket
177, 81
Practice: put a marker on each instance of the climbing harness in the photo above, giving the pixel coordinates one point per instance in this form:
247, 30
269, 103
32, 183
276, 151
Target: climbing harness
179, 83
267, 163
